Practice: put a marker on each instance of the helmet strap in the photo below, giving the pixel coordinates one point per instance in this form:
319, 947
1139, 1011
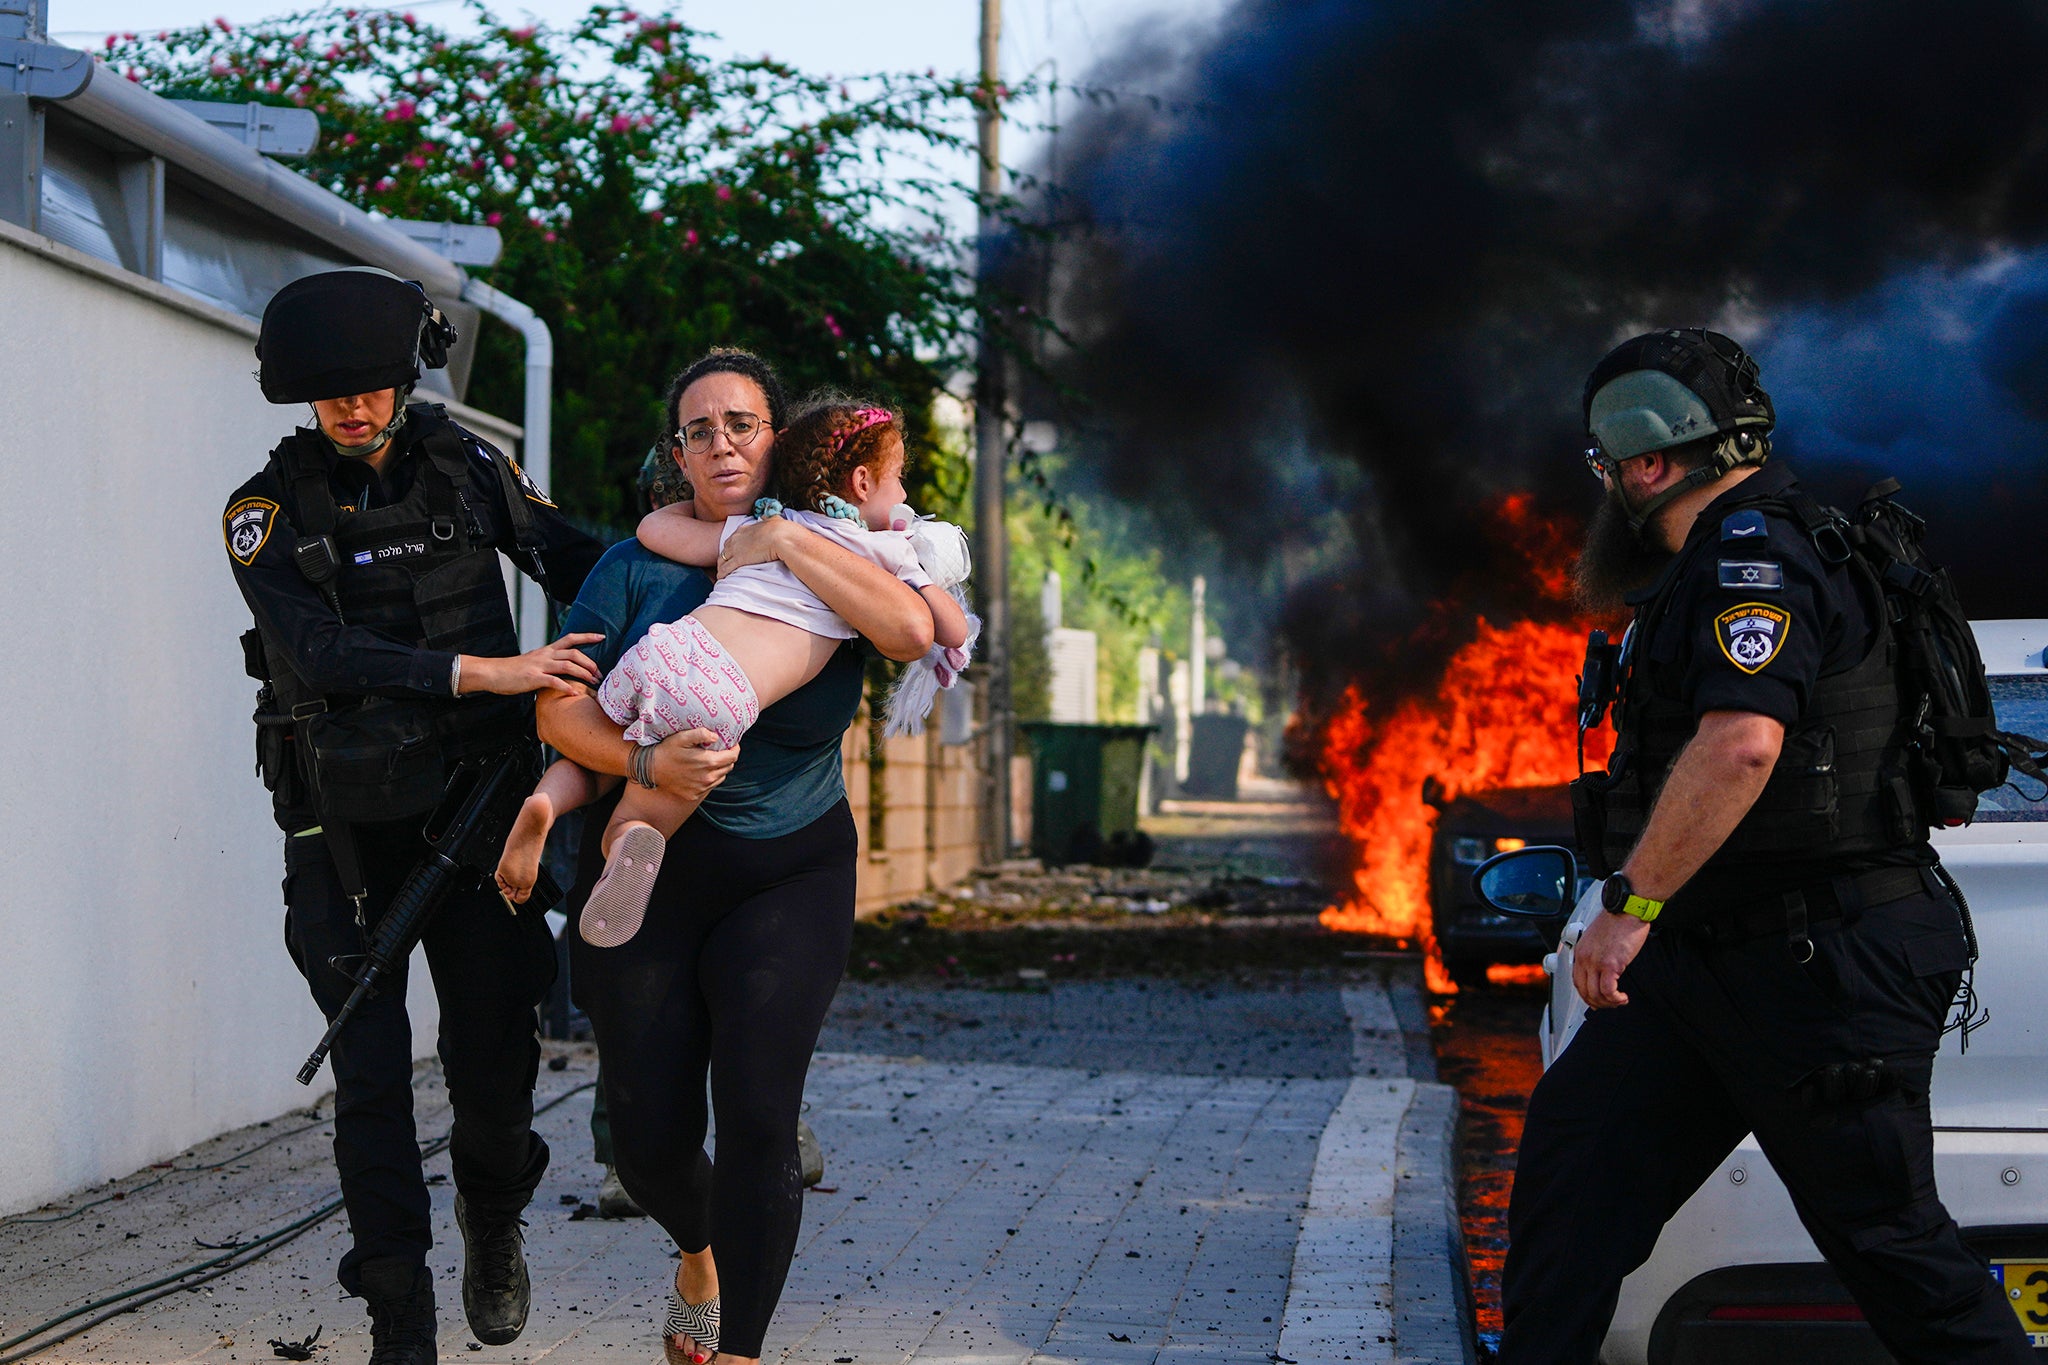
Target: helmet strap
377, 442
1736, 448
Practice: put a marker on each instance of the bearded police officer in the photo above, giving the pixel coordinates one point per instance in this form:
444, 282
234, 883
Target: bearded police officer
1780, 947
368, 549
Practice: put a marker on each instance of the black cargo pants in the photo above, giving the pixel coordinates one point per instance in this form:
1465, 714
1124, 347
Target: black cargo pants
1720, 1041
491, 969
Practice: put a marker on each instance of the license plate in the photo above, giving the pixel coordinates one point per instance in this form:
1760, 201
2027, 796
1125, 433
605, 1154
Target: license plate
2026, 1288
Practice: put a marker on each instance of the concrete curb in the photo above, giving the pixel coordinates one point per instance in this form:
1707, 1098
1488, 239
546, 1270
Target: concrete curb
1432, 1291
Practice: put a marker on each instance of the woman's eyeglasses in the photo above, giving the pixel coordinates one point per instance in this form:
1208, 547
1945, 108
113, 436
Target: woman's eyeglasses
740, 429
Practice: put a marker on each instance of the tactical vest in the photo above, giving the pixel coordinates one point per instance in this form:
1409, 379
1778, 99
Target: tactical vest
1838, 787
419, 571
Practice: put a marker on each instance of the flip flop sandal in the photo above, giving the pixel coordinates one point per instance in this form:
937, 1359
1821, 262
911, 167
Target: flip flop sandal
697, 1321
618, 902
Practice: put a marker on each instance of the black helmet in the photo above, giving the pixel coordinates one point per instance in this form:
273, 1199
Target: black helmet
346, 332
1671, 388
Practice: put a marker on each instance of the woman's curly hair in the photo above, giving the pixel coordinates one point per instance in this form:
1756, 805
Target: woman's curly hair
829, 437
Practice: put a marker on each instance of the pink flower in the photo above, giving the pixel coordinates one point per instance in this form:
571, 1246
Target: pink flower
111, 40
508, 160
659, 43
521, 35
690, 237
348, 139
477, 165
333, 51
722, 193
547, 236
219, 67
400, 111
416, 161
383, 186
134, 75
299, 43
272, 86
627, 16
493, 218
223, 25
621, 123
507, 128
832, 326
409, 20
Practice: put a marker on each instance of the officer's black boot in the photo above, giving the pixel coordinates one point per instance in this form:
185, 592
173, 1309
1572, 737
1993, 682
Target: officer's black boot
401, 1298
496, 1292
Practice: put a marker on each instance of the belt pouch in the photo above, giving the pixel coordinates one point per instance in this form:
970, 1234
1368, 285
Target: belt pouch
377, 761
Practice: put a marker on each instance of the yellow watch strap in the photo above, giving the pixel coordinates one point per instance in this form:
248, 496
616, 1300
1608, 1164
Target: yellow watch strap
1643, 908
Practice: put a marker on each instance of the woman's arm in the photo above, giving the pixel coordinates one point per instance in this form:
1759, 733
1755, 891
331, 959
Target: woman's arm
578, 727
673, 532
873, 601
949, 623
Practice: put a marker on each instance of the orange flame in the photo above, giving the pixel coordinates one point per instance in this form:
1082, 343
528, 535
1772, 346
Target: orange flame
1501, 716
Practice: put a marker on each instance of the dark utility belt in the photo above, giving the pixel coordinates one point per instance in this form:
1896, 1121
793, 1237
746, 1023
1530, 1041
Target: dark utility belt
1793, 912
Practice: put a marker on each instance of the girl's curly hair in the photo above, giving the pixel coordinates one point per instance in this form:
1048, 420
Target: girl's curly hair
829, 437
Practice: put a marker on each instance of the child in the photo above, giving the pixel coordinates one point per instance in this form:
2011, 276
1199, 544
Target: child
758, 637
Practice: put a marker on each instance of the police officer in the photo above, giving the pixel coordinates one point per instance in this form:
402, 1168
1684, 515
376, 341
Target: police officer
1780, 946
367, 548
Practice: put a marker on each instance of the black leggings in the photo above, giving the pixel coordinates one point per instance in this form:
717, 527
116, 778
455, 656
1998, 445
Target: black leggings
742, 949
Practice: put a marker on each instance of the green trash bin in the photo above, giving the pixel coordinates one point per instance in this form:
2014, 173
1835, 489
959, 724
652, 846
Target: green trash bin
1084, 788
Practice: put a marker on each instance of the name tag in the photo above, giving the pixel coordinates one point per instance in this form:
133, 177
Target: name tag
401, 549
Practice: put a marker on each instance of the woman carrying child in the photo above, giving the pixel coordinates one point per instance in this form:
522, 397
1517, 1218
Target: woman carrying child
752, 913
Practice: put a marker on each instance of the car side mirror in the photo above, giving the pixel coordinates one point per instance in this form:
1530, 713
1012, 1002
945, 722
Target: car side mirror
1537, 883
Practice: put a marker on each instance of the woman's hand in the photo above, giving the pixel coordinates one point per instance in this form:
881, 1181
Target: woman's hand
760, 543
556, 667
689, 763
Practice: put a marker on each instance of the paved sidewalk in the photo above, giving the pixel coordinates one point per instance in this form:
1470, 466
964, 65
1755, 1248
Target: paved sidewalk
1191, 1202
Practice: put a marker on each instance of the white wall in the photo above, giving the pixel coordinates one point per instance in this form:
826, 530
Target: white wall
146, 1000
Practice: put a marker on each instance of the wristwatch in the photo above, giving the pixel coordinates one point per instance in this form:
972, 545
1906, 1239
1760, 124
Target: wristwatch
1617, 897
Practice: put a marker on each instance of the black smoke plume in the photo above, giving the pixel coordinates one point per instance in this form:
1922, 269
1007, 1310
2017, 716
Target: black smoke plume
1398, 234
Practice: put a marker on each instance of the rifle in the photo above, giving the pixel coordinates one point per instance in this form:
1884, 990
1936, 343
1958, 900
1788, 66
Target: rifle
467, 832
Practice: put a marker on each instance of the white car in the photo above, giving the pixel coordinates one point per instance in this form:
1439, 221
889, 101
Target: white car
1734, 1277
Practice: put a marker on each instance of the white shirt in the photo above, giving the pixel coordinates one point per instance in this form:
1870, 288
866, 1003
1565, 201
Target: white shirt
773, 591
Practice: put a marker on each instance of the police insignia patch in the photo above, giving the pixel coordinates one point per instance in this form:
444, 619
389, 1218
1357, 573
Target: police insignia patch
1752, 634
1752, 573
246, 528
526, 485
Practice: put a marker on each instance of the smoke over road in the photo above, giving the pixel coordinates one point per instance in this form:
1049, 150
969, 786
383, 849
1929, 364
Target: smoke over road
1398, 234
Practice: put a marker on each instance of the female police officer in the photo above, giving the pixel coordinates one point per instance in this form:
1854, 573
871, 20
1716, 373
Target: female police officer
1780, 945
368, 550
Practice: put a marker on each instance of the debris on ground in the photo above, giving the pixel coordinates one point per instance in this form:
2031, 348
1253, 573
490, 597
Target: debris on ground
298, 1350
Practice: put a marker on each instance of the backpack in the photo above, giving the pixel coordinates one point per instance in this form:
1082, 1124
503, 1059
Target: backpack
1954, 750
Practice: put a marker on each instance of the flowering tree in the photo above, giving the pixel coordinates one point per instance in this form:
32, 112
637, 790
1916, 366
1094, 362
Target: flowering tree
653, 202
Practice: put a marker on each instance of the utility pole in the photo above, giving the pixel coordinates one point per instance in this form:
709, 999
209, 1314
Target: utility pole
992, 568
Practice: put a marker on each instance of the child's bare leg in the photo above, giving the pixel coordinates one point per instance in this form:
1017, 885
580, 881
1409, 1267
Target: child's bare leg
563, 787
633, 845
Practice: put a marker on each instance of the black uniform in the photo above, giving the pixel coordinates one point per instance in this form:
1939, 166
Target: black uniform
1817, 942
368, 660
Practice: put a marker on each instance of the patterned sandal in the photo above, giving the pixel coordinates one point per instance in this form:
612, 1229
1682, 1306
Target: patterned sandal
697, 1321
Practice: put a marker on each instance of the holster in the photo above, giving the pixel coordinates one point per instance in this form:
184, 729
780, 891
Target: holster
1589, 819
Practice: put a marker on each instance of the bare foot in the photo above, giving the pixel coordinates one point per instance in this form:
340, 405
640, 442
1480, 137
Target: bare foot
697, 1282
519, 866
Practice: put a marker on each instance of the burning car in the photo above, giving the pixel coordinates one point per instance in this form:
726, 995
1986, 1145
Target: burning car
1470, 935
1735, 1276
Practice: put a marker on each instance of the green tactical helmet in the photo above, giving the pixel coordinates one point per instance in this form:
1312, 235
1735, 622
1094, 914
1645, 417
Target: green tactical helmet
1670, 388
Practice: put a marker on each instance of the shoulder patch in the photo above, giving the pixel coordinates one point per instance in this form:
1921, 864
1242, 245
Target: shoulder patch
526, 485
1752, 634
1743, 526
246, 528
1753, 573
